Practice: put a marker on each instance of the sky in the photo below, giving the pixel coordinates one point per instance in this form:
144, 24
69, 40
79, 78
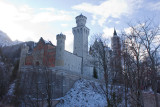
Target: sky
28, 20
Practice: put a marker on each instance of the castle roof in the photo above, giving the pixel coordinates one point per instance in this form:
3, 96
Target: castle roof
45, 41
115, 33
61, 34
81, 16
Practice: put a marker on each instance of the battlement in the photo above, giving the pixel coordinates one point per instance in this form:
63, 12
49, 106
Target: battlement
61, 36
81, 20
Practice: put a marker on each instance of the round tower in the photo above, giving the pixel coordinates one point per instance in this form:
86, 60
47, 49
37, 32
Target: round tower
60, 49
80, 33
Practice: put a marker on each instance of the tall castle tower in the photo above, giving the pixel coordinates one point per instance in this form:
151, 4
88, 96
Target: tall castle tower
115, 44
80, 33
116, 57
60, 49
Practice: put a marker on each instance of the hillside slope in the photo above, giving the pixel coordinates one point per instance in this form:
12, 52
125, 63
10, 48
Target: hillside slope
84, 94
6, 41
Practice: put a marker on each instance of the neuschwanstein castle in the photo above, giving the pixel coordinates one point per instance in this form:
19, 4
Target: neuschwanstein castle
51, 56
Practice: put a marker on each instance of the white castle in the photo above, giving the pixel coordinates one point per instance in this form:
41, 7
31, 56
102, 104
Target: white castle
80, 61
64, 67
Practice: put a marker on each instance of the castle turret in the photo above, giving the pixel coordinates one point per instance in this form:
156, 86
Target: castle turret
115, 44
24, 51
60, 49
116, 57
80, 33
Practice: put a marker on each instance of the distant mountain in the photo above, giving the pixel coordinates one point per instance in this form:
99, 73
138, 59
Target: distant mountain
12, 49
12, 52
6, 41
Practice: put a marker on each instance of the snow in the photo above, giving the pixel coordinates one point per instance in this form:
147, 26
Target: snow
11, 89
46, 41
6, 41
16, 42
84, 93
89, 93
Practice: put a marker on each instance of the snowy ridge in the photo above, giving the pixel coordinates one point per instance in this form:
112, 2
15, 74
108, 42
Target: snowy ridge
6, 41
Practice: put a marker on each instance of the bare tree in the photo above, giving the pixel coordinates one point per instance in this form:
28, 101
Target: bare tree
132, 62
148, 34
101, 52
35, 87
140, 55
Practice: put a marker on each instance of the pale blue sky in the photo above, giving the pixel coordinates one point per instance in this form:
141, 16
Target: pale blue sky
31, 19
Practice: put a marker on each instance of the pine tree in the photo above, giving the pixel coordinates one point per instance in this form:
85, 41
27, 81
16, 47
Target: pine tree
95, 73
15, 71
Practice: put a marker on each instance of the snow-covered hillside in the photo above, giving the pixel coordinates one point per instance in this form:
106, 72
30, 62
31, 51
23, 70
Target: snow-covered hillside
84, 94
87, 93
6, 41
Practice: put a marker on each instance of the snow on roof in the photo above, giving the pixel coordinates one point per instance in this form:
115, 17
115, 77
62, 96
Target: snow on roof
47, 41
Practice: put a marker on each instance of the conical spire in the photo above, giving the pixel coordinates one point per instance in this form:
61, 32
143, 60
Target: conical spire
115, 33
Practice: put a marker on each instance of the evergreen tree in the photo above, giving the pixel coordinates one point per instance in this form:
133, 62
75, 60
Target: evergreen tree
95, 73
15, 71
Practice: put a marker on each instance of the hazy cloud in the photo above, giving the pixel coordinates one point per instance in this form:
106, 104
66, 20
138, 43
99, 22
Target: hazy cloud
108, 32
110, 8
69, 41
23, 22
154, 6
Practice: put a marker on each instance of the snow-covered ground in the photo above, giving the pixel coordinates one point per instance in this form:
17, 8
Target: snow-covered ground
84, 93
11, 89
89, 93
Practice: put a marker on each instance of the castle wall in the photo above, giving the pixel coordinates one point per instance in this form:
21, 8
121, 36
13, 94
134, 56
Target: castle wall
49, 56
88, 71
29, 60
72, 62
61, 81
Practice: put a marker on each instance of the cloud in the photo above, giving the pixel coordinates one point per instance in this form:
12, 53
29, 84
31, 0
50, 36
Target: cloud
154, 6
23, 22
64, 25
49, 17
110, 8
117, 22
108, 32
94, 18
69, 41
128, 30
51, 14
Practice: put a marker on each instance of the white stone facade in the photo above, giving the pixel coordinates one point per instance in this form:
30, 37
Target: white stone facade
78, 61
60, 49
81, 33
72, 62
